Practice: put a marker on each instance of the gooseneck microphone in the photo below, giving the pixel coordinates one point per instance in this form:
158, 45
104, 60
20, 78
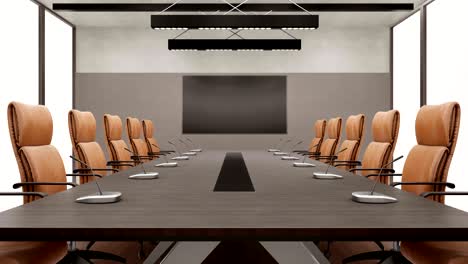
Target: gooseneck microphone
381, 169
293, 146
275, 148
180, 157
373, 197
279, 152
156, 146
305, 156
100, 197
333, 158
329, 176
139, 159
188, 153
166, 164
289, 156
175, 147
199, 149
90, 168
145, 175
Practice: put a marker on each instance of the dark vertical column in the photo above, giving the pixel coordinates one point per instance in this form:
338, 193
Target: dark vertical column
391, 68
423, 55
41, 55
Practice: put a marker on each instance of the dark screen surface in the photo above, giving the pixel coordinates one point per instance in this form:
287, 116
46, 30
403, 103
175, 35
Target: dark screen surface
234, 176
234, 105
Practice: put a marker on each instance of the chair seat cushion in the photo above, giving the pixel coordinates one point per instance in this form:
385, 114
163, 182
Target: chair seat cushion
32, 252
435, 252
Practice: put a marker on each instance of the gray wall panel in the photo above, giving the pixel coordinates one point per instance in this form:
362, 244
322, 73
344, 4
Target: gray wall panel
159, 97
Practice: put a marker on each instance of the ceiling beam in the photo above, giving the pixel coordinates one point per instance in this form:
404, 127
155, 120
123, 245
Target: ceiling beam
248, 7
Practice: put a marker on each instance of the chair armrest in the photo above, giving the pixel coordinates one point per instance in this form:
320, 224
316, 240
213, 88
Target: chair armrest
84, 175
89, 170
376, 169
447, 184
427, 194
157, 154
21, 184
137, 158
113, 162
384, 175
326, 157
40, 194
310, 153
342, 163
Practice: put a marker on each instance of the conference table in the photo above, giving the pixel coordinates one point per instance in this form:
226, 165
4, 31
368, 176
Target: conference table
286, 204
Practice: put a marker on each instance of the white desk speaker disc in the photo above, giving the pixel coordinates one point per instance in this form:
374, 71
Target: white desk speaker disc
166, 165
196, 150
280, 153
374, 198
144, 176
327, 176
180, 158
189, 154
105, 197
274, 150
289, 158
303, 165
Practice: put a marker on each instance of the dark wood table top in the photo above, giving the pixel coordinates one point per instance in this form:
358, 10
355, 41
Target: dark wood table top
288, 205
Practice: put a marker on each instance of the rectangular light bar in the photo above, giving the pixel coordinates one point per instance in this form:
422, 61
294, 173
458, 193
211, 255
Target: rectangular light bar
234, 44
234, 21
246, 7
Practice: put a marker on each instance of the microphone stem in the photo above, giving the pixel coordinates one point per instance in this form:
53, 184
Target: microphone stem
375, 184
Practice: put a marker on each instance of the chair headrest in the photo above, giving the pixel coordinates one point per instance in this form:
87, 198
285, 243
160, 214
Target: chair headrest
113, 127
385, 126
334, 128
355, 127
437, 125
320, 126
133, 128
148, 128
30, 125
82, 126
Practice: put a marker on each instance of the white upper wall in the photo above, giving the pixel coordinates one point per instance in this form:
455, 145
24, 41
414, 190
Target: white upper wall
326, 50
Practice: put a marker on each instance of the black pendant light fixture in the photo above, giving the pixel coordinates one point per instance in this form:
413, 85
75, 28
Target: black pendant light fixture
234, 44
227, 22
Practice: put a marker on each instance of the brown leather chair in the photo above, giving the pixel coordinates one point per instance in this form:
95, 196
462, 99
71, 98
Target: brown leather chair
82, 127
425, 171
437, 133
316, 142
385, 126
329, 145
350, 147
42, 171
151, 142
138, 144
116, 145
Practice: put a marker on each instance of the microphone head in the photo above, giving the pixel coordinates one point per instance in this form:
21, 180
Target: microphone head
129, 150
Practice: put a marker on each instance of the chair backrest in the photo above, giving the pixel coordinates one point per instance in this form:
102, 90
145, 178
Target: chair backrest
134, 136
352, 143
436, 134
115, 144
148, 131
328, 147
82, 127
319, 127
379, 152
31, 130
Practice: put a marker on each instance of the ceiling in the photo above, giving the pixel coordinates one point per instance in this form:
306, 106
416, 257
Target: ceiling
142, 19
